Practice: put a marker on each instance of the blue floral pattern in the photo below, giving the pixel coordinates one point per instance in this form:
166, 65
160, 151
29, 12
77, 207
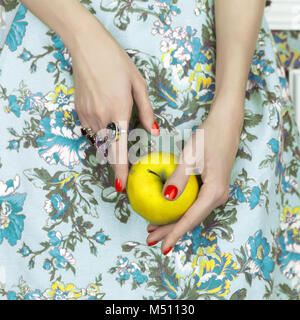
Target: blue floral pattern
61, 221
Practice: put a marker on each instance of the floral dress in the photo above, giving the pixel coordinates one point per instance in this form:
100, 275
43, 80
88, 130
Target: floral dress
65, 233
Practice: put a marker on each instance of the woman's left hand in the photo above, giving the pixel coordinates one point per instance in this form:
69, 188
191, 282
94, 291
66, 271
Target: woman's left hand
222, 129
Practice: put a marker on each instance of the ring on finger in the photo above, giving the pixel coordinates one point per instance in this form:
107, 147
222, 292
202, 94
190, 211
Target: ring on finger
112, 134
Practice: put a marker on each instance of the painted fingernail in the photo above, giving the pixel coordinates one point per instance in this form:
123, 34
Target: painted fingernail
152, 243
155, 128
124, 190
118, 185
150, 231
171, 192
167, 251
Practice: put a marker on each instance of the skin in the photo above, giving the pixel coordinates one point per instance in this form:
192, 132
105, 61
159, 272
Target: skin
97, 102
222, 127
106, 80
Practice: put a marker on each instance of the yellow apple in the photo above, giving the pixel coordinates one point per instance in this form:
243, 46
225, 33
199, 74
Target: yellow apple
145, 184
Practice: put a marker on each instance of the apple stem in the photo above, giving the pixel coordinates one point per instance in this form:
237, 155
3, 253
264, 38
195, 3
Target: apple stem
150, 171
160, 177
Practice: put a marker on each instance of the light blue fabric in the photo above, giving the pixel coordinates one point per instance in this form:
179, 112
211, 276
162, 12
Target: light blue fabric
65, 233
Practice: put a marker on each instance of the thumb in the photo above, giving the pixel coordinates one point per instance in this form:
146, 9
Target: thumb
146, 115
176, 183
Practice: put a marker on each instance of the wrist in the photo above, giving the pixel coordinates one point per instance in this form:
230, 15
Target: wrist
232, 98
229, 109
73, 33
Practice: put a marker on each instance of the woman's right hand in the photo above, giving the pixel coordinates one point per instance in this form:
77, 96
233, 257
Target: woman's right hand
106, 83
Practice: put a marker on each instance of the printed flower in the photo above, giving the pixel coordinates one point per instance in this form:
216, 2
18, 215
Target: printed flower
122, 262
25, 251
61, 97
18, 29
193, 242
287, 183
11, 295
59, 291
26, 55
138, 276
254, 198
290, 219
200, 6
51, 67
55, 238
283, 83
236, 191
123, 266
258, 249
179, 33
93, 291
65, 59
259, 69
47, 265
123, 275
100, 237
57, 43
136, 273
213, 275
198, 240
170, 284
14, 145
35, 295
289, 257
62, 257
14, 106
57, 206
33, 100
63, 141
11, 224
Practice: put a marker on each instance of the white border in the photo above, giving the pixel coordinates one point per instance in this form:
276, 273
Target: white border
294, 85
283, 15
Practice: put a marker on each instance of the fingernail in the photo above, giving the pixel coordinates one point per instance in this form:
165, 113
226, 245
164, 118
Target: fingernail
150, 231
171, 192
167, 251
124, 190
152, 243
155, 128
118, 185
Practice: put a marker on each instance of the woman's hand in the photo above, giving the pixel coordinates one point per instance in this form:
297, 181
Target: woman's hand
106, 82
222, 129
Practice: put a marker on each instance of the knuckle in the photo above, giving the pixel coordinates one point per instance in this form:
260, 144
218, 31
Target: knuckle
141, 83
88, 112
127, 100
98, 114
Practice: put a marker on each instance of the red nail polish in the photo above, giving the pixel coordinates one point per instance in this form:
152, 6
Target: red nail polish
150, 231
155, 128
152, 243
171, 192
118, 185
124, 190
168, 250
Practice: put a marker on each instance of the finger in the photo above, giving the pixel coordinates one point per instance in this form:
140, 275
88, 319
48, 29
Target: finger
176, 183
159, 233
200, 209
118, 157
145, 110
152, 227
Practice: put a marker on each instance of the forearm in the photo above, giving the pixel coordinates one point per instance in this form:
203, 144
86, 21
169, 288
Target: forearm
237, 26
68, 18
